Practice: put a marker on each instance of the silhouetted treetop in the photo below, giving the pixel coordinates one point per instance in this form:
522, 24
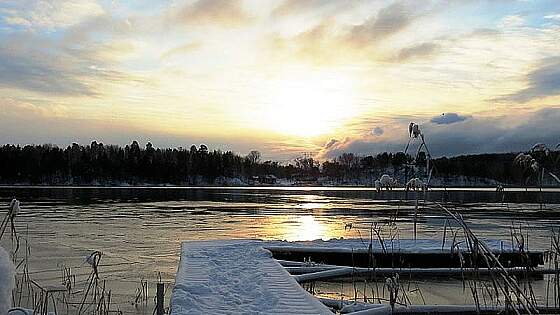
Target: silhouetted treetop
134, 164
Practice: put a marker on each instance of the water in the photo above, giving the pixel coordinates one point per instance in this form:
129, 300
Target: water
139, 230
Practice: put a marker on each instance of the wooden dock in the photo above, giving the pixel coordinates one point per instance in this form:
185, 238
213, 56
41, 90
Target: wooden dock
406, 253
253, 276
435, 258
237, 277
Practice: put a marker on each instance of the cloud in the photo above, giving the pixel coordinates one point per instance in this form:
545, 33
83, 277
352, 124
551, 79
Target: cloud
28, 122
48, 14
511, 21
292, 7
21, 109
36, 122
448, 118
554, 17
389, 21
181, 50
332, 143
542, 82
331, 41
39, 64
104, 27
483, 32
227, 13
417, 51
314, 45
377, 131
78, 61
475, 135
38, 69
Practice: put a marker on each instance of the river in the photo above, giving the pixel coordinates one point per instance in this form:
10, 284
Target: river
139, 230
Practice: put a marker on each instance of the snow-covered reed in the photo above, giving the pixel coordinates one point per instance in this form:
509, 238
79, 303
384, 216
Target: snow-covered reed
534, 163
377, 185
416, 184
526, 161
387, 182
13, 210
416, 134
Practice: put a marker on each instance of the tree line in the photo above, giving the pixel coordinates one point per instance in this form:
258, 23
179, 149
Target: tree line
111, 164
132, 164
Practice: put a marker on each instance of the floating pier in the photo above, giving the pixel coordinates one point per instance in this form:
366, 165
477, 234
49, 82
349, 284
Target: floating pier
406, 253
402, 258
263, 277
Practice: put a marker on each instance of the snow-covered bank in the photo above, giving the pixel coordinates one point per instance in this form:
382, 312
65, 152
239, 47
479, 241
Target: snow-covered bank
6, 281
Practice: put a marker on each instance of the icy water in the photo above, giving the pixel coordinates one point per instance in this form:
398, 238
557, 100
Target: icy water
139, 230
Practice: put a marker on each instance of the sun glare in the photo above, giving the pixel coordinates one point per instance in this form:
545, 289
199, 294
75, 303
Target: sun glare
307, 228
309, 105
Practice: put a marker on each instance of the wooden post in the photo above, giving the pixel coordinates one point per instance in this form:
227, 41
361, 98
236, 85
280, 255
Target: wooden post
159, 299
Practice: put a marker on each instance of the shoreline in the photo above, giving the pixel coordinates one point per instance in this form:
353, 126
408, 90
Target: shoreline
280, 187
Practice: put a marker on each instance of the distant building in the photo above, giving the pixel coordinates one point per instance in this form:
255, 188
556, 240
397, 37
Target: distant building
264, 180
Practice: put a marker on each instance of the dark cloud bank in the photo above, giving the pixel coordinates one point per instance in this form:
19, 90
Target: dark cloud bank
452, 134
543, 81
448, 118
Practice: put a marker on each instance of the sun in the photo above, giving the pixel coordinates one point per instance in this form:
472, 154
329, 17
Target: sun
309, 104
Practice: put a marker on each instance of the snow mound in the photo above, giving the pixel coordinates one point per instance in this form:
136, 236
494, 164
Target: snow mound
6, 281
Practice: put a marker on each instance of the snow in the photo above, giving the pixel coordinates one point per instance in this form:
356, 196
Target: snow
23, 311
397, 245
237, 277
387, 181
14, 207
240, 276
6, 281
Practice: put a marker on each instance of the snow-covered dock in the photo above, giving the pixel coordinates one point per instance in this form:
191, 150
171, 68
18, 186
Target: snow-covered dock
237, 277
404, 253
252, 276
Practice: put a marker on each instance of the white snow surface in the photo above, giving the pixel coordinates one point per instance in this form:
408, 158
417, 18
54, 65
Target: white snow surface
237, 277
395, 246
241, 277
6, 281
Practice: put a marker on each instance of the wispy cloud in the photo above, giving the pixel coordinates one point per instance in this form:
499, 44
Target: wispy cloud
555, 17
294, 7
181, 50
417, 51
33, 63
389, 21
227, 13
40, 69
331, 41
48, 14
541, 82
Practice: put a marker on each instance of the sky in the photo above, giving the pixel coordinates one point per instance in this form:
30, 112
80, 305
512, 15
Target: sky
285, 77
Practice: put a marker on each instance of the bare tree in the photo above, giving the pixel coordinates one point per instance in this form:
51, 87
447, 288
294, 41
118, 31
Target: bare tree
254, 157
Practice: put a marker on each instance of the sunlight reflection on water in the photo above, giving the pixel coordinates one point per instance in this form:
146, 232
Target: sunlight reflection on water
305, 228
